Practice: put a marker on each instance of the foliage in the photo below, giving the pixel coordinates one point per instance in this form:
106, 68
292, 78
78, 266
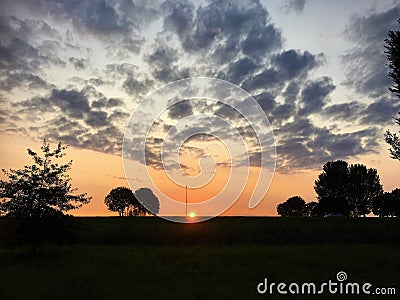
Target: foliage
148, 200
345, 189
313, 209
120, 199
387, 204
331, 188
393, 55
125, 202
36, 198
293, 207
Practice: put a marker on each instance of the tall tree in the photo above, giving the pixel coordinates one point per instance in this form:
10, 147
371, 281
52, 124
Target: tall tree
363, 186
37, 197
148, 200
120, 199
292, 207
331, 188
313, 209
393, 55
348, 190
387, 204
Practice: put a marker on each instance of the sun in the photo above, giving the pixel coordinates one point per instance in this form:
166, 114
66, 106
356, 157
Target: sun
192, 214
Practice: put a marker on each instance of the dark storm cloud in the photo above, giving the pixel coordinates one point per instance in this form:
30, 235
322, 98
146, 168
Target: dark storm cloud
366, 63
314, 95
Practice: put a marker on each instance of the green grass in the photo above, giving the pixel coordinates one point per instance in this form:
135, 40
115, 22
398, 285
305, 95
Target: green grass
224, 258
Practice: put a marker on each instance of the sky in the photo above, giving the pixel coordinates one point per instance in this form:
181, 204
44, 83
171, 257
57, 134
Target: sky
84, 73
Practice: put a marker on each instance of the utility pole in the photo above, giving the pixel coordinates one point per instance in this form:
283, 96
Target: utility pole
186, 201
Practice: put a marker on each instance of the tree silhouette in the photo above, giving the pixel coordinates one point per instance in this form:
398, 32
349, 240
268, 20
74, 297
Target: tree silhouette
37, 197
364, 186
331, 188
345, 189
313, 209
387, 204
393, 55
148, 200
122, 200
292, 207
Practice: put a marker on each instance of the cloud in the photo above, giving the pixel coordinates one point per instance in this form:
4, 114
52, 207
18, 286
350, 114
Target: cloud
14, 80
79, 63
232, 40
109, 21
163, 63
293, 63
349, 111
378, 112
179, 17
365, 63
263, 80
262, 40
82, 118
296, 6
224, 29
314, 95
302, 145
72, 102
180, 110
239, 69
17, 49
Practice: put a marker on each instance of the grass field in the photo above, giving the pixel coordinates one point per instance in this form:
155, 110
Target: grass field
224, 258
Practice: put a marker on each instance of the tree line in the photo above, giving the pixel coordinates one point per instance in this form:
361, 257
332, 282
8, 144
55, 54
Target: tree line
345, 190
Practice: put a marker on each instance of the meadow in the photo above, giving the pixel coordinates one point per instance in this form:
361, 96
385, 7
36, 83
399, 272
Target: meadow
223, 258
